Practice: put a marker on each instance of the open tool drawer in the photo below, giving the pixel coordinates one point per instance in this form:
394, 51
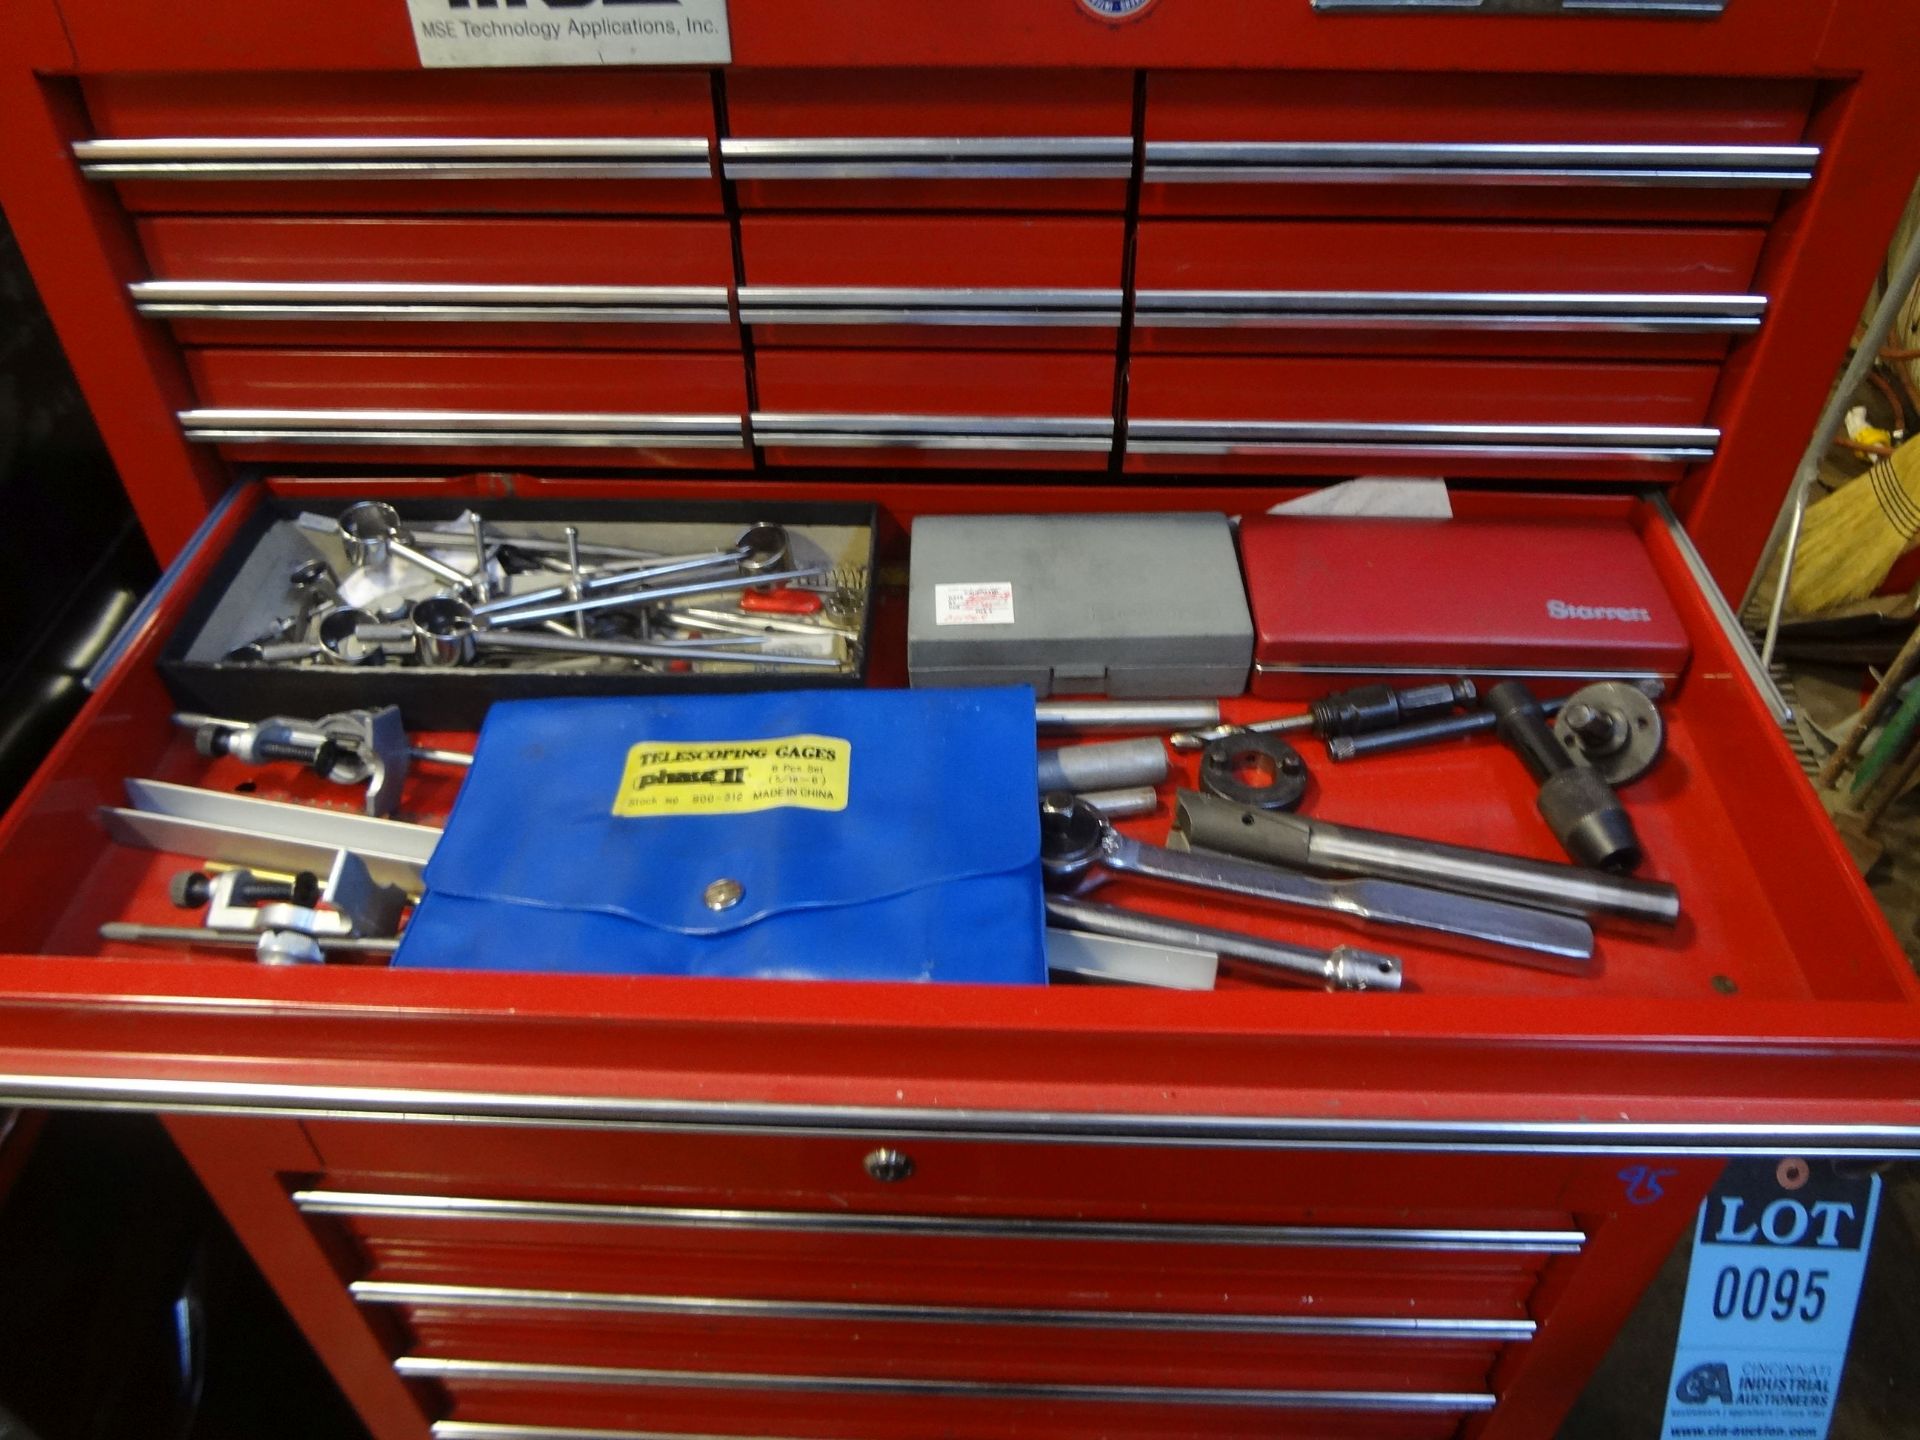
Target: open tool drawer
1335, 1151
1349, 1140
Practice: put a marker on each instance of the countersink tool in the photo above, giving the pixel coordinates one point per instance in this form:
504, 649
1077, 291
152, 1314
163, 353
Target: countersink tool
1359, 711
1298, 841
1586, 817
1078, 846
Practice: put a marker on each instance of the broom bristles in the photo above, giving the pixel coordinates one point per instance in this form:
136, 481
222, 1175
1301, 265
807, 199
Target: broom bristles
1850, 539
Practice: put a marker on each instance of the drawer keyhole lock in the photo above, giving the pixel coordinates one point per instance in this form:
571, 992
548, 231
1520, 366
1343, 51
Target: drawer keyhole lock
888, 1166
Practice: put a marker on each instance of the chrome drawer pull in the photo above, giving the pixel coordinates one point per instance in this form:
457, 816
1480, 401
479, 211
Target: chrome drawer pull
1054, 157
857, 305
371, 1205
462, 428
424, 1367
393, 158
1674, 443
1588, 312
402, 301
932, 432
1321, 163
1652, 9
375, 1292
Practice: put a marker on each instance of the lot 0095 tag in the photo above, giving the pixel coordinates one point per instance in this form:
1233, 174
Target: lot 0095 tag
735, 777
1779, 1252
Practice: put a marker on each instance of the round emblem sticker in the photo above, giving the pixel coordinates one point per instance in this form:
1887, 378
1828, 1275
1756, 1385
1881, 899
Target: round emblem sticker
1116, 9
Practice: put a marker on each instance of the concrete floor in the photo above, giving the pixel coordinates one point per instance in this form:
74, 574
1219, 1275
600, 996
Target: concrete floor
1880, 1394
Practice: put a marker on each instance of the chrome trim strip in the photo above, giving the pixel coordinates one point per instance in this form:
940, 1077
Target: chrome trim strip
1707, 1138
431, 428
460, 420
368, 1205
1328, 309
393, 157
1714, 166
424, 1367
1723, 615
907, 305
374, 1292
1343, 438
380, 300
932, 432
466, 439
929, 157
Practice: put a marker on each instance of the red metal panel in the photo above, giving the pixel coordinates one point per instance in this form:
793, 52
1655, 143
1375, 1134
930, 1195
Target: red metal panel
864, 387
936, 253
1374, 396
1255, 106
434, 383
855, 105
467, 252
443, 104
1488, 259
1752, 37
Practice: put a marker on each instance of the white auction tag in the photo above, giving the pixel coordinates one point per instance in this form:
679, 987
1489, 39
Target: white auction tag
1778, 1256
983, 602
467, 33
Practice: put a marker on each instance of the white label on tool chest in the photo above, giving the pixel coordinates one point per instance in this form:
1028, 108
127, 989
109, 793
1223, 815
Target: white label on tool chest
472, 33
984, 602
1778, 1256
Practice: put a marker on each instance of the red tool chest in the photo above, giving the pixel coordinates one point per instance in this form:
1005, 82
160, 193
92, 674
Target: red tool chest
1019, 255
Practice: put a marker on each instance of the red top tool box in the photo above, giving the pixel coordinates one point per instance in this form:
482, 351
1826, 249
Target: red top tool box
1008, 256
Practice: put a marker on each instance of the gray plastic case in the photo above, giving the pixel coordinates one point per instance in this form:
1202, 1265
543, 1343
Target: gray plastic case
1122, 605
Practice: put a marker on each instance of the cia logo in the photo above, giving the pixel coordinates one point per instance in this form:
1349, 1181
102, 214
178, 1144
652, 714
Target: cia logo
1116, 9
1704, 1383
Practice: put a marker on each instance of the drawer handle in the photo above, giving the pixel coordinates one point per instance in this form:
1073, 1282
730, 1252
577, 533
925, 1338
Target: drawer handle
888, 1165
1655, 9
373, 1205
463, 428
932, 432
1286, 162
872, 305
383, 301
1675, 443
1588, 312
516, 1372
479, 1297
394, 158
917, 157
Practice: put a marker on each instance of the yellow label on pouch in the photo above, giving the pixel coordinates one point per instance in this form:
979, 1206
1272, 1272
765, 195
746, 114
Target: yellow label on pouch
735, 777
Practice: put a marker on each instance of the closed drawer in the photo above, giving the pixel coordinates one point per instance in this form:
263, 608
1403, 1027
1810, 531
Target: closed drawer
1456, 417
1482, 147
495, 1401
1006, 140
656, 284
1424, 288
476, 407
422, 142
921, 280
933, 408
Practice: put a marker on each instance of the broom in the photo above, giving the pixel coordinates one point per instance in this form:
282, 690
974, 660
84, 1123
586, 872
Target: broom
1851, 538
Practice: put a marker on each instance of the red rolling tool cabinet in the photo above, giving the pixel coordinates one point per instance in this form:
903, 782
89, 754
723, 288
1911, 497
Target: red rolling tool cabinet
1000, 255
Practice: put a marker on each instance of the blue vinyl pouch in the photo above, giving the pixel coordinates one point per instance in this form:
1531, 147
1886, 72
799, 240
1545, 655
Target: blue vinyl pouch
846, 835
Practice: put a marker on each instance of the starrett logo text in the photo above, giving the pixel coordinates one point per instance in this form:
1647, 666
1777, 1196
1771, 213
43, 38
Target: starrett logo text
1567, 610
